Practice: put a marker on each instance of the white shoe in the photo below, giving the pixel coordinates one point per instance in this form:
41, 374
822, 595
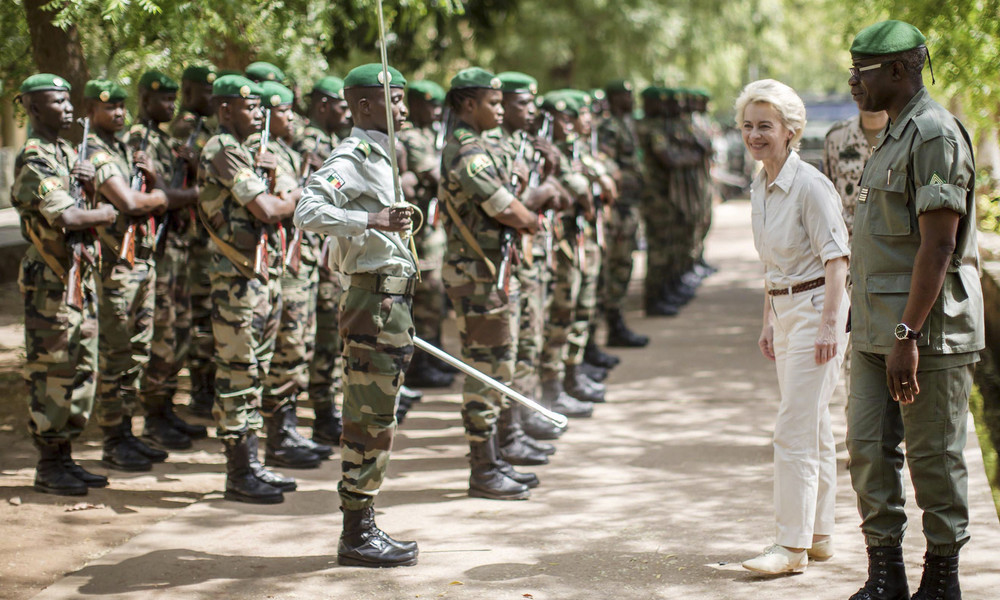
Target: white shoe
821, 550
776, 560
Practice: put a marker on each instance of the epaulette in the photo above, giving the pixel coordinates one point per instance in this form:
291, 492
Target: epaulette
464, 136
930, 123
353, 146
32, 147
840, 125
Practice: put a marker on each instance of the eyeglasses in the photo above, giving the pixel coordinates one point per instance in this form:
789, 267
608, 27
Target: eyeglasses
856, 71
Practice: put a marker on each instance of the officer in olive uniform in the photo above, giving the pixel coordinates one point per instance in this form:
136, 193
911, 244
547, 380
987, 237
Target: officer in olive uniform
60, 328
351, 198
916, 317
241, 216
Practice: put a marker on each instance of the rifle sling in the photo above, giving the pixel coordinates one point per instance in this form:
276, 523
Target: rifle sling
50, 260
241, 262
469, 238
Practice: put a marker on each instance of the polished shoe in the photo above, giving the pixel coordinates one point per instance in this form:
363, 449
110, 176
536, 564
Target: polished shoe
242, 485
285, 484
155, 455
886, 575
513, 443
119, 453
620, 336
939, 580
160, 431
202, 392
597, 357
363, 544
776, 560
593, 372
422, 373
487, 479
90, 479
291, 420
281, 448
195, 432
556, 398
327, 425
821, 550
51, 476
581, 387
538, 427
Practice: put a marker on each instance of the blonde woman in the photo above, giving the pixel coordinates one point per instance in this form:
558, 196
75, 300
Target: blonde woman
801, 237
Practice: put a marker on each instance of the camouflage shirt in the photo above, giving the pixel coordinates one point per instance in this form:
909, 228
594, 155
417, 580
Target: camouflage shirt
115, 160
844, 156
315, 141
618, 140
184, 125
423, 159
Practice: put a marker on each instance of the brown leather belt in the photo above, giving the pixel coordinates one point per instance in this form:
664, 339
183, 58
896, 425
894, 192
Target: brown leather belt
798, 287
384, 284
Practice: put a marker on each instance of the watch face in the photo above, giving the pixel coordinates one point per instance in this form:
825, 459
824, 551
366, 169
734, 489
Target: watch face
901, 331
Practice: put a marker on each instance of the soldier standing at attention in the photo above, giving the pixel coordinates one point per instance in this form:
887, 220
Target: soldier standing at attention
917, 317
848, 145
240, 214
60, 337
196, 117
351, 199
128, 277
172, 313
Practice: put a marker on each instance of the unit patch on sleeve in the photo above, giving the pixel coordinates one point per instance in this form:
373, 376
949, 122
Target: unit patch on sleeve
477, 165
336, 179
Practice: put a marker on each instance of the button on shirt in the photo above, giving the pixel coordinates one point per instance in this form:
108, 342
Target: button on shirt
797, 223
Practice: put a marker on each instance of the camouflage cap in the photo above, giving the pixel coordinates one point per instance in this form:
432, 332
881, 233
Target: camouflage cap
274, 94
331, 86
200, 74
264, 71
370, 75
618, 86
887, 37
43, 82
513, 82
235, 86
155, 81
475, 77
426, 90
104, 90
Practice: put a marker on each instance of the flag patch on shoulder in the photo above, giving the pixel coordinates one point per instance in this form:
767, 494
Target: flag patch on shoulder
336, 179
477, 165
936, 179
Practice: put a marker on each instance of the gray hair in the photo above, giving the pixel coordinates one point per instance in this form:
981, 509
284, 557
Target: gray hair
784, 100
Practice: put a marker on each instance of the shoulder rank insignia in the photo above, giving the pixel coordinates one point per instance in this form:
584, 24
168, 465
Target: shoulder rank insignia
477, 165
100, 158
243, 175
364, 147
336, 179
936, 179
464, 136
32, 147
49, 184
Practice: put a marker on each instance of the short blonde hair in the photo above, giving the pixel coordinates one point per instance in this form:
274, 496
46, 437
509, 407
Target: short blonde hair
784, 100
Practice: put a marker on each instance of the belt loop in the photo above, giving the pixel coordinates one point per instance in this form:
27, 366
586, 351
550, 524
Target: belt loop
790, 291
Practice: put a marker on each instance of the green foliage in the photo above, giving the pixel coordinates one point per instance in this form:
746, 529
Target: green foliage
986, 442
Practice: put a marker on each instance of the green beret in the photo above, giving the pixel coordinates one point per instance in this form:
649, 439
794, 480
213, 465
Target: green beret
264, 71
887, 37
236, 86
331, 86
156, 81
274, 94
618, 86
651, 92
370, 75
580, 97
514, 82
104, 90
42, 82
701, 93
427, 90
200, 74
560, 101
475, 77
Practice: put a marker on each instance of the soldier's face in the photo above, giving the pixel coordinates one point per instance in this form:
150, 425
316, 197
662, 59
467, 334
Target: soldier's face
337, 113
282, 118
487, 110
51, 109
562, 126
109, 116
519, 110
868, 87
764, 135
198, 97
424, 112
247, 116
584, 121
160, 106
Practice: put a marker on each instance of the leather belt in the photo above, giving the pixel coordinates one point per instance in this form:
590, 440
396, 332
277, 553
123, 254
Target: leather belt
798, 287
384, 284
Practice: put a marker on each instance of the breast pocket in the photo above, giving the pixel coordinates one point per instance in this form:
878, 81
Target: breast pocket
888, 211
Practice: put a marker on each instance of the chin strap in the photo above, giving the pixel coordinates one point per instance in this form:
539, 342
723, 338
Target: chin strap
930, 64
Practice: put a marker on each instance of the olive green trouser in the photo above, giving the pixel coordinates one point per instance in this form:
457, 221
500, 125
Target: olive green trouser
934, 429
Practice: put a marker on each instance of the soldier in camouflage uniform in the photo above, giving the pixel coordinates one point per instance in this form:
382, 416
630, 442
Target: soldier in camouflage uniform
476, 189
419, 139
172, 314
704, 132
293, 348
241, 216
328, 111
695, 200
351, 198
196, 118
846, 149
60, 340
128, 276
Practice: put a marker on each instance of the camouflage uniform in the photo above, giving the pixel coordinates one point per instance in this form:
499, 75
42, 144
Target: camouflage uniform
661, 205
245, 309
376, 322
60, 342
703, 139
619, 141
693, 191
127, 300
845, 153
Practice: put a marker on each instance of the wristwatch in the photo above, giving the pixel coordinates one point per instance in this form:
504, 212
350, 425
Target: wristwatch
903, 332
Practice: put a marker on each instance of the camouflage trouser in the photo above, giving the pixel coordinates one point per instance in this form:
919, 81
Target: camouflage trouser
622, 240
60, 352
245, 317
293, 348
586, 301
664, 232
202, 348
561, 311
327, 366
171, 325
488, 337
428, 300
126, 321
530, 323
377, 330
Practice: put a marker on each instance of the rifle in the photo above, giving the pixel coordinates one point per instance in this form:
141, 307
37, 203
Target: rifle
74, 277
178, 180
509, 237
137, 183
293, 257
545, 132
595, 190
260, 261
580, 221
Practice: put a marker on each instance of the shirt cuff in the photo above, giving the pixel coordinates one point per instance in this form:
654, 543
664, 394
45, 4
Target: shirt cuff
942, 195
356, 222
247, 186
498, 202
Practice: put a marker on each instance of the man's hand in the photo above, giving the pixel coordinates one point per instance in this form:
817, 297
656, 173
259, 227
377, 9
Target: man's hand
266, 160
901, 371
145, 165
107, 213
394, 218
84, 171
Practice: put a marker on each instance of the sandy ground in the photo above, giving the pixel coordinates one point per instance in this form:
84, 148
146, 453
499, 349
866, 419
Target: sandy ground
660, 495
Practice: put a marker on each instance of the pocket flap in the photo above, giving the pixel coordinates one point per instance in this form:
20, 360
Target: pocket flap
889, 283
896, 183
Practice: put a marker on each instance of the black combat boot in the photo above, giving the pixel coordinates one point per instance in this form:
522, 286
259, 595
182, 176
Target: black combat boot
291, 426
195, 432
51, 476
487, 479
90, 479
596, 356
363, 544
514, 447
242, 485
538, 427
593, 372
556, 398
202, 392
285, 484
522, 414
660, 307
940, 579
327, 425
580, 387
160, 431
281, 448
155, 455
886, 575
529, 479
119, 453
422, 373
620, 336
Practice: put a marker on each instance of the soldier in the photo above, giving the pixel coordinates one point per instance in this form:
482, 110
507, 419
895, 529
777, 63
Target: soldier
703, 131
617, 138
694, 199
483, 210
172, 313
60, 328
917, 317
351, 199
128, 276
261, 71
241, 215
195, 122
289, 372
419, 138
846, 149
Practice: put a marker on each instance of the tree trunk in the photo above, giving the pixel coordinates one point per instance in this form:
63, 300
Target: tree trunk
57, 51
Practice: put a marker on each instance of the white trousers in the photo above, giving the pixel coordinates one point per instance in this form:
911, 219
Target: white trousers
805, 457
